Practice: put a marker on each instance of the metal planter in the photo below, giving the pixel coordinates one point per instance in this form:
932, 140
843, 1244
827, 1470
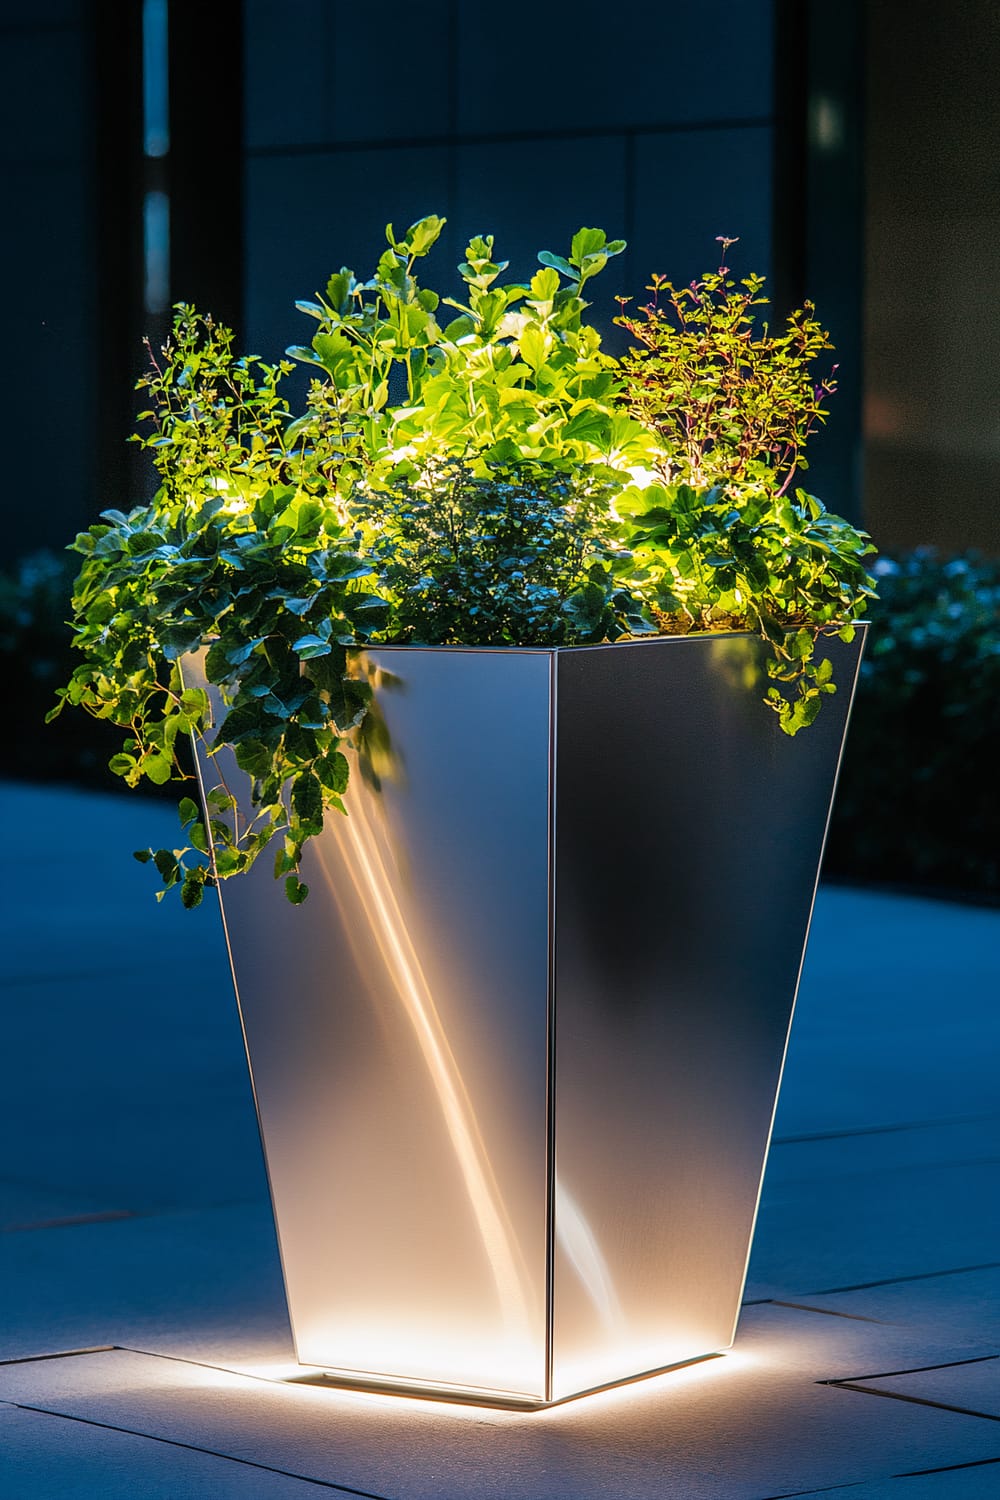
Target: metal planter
516, 1060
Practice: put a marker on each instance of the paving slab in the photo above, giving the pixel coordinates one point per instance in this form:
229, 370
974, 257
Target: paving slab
32, 1205
796, 1161
964, 1305
127, 1082
897, 1015
971, 1386
868, 1206
973, 1482
47, 1455
183, 1283
842, 1232
751, 1424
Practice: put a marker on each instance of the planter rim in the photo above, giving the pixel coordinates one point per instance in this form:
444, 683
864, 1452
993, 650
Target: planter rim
638, 640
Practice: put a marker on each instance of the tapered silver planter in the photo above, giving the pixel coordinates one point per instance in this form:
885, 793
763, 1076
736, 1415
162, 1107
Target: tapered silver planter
516, 1060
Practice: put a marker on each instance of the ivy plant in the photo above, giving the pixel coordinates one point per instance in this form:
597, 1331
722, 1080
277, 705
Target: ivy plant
235, 559
471, 470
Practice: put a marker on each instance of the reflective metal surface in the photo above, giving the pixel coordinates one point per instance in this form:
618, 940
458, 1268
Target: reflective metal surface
516, 1059
688, 837
396, 1026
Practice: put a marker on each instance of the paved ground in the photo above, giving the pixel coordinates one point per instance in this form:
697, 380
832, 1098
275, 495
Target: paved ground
143, 1340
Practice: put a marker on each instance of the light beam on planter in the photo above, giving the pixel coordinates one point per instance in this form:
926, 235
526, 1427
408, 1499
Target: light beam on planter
404, 986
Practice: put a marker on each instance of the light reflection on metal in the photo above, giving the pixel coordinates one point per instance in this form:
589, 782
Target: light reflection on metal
579, 1245
370, 873
516, 1059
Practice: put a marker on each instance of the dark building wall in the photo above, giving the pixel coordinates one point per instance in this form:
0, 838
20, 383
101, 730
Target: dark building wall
932, 414
654, 122
299, 127
47, 270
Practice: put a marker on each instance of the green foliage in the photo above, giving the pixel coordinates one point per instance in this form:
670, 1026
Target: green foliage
465, 470
730, 405
515, 377
723, 540
916, 802
235, 558
734, 559
515, 558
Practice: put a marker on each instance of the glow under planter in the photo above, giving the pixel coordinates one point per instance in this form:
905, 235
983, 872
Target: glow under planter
516, 1059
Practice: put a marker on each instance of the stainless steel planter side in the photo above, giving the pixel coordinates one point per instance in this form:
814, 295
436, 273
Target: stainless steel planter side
688, 838
516, 1059
396, 1027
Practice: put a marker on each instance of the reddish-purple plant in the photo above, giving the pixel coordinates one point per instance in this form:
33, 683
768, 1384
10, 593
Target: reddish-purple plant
731, 404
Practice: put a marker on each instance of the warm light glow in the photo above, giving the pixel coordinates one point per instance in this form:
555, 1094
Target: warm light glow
466, 1356
632, 1356
645, 1388
297, 1378
512, 1358
653, 1387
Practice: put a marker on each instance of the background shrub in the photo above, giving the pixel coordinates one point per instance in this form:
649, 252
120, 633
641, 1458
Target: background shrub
917, 802
36, 657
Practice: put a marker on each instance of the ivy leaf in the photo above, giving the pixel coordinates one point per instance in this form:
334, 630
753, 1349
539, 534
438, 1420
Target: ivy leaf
297, 606
334, 771
254, 757
348, 698
167, 866
349, 702
188, 810
239, 652
159, 768
217, 666
198, 837
309, 646
307, 801
295, 890
177, 640
219, 798
194, 701
242, 722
